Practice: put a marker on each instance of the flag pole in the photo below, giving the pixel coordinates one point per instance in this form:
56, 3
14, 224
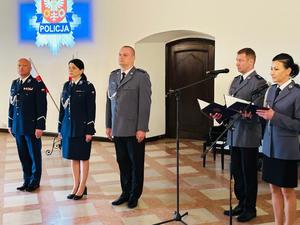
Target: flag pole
33, 66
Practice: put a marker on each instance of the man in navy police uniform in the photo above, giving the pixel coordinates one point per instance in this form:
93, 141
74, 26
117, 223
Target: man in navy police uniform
26, 122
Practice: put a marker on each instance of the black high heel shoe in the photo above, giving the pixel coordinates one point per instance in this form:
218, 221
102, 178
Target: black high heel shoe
78, 197
70, 196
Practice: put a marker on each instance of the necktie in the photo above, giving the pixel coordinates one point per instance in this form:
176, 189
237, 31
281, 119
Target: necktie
241, 79
123, 76
21, 82
277, 92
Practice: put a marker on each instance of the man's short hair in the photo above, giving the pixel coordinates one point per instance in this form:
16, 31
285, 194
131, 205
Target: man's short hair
131, 48
249, 52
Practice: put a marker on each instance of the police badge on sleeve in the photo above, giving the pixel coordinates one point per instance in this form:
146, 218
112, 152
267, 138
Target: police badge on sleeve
54, 22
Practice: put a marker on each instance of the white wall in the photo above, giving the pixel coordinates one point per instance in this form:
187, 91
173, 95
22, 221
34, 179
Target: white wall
269, 27
156, 70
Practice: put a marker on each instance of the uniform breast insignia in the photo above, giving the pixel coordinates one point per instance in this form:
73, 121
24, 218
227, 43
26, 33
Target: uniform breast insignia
28, 88
80, 91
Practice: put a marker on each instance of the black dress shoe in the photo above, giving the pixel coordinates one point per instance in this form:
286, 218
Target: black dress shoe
22, 188
132, 203
78, 197
122, 199
246, 216
235, 212
31, 188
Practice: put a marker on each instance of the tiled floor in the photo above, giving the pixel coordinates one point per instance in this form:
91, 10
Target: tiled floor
203, 191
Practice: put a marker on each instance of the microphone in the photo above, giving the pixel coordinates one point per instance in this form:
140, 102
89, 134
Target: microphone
260, 89
216, 72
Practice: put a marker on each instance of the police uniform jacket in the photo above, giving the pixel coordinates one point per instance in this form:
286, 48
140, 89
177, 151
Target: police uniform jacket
27, 106
77, 109
128, 102
281, 138
247, 132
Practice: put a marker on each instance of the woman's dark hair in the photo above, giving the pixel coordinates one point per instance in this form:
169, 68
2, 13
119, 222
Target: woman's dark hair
80, 65
287, 62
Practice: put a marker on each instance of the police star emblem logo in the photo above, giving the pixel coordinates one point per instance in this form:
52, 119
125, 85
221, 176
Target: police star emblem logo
54, 22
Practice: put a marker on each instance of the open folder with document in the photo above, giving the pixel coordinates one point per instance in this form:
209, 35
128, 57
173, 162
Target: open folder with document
233, 106
212, 108
238, 105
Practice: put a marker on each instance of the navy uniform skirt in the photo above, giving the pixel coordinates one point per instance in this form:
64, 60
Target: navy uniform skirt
282, 173
76, 148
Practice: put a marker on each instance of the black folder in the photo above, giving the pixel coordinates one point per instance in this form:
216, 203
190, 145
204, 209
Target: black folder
238, 105
212, 108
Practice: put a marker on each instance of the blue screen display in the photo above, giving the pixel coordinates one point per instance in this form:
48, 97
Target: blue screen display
77, 22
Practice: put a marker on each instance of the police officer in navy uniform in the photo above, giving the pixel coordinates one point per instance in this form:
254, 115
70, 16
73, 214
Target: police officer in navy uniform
127, 117
77, 125
26, 122
246, 136
281, 138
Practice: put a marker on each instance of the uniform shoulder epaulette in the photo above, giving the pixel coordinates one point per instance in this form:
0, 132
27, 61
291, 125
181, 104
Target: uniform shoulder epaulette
141, 70
114, 71
258, 77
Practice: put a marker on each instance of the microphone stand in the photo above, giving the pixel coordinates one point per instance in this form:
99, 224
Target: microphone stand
230, 127
177, 216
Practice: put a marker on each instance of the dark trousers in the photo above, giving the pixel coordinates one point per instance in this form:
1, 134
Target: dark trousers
244, 171
29, 149
130, 157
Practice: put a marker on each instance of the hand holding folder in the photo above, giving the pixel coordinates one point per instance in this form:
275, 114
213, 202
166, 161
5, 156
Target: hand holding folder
213, 108
233, 105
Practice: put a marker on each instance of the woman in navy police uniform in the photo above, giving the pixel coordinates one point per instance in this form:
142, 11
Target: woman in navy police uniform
281, 143
76, 125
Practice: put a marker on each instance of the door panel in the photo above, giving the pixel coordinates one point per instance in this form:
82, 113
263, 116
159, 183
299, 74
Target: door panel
187, 61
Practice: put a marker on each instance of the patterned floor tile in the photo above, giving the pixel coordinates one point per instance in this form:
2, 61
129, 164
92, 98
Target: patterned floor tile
106, 177
203, 191
141, 220
79, 210
157, 154
216, 193
22, 218
21, 200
